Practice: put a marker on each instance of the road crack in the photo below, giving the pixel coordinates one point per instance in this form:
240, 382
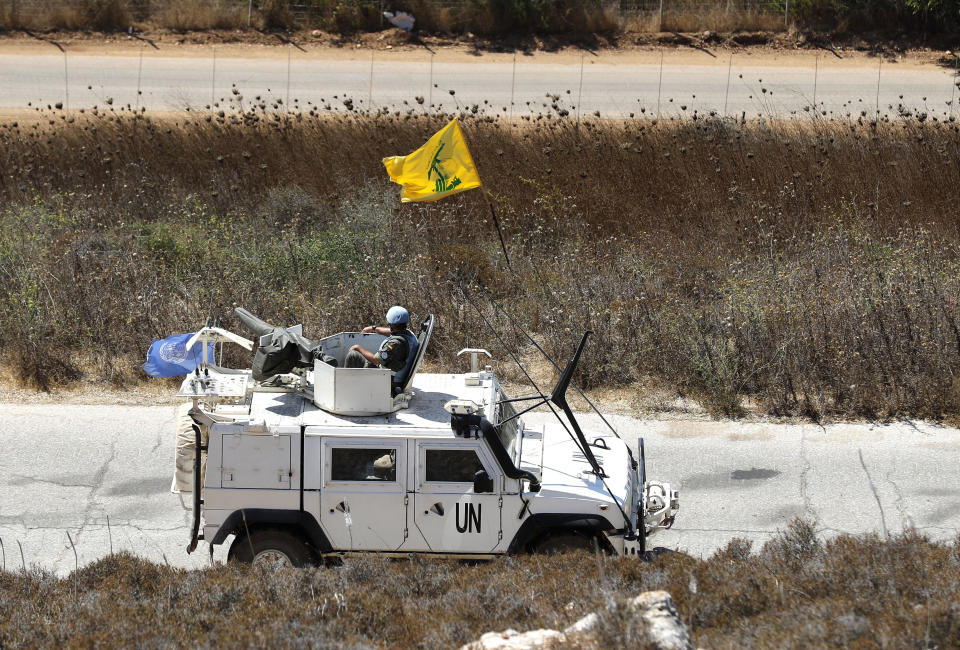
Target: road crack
806, 467
876, 494
164, 426
906, 521
92, 502
37, 479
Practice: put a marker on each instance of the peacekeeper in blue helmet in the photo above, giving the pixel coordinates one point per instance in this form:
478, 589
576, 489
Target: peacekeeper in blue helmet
397, 351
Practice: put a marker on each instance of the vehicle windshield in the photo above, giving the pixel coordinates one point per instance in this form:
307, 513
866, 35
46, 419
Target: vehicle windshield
509, 432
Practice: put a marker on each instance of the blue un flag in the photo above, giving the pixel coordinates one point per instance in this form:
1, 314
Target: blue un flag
169, 357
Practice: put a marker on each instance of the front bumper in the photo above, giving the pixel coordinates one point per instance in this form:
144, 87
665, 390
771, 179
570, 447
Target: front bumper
660, 511
660, 506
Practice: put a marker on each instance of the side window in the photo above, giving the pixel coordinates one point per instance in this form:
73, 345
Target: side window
452, 465
363, 464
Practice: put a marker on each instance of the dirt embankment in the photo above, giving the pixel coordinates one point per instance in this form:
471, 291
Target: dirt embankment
699, 48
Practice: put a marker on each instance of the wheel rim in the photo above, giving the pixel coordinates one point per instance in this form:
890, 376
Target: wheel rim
272, 559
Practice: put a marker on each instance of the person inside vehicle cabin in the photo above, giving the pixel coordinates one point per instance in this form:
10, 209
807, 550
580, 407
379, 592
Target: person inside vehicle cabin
397, 351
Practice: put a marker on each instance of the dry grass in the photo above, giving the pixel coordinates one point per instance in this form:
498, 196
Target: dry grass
809, 267
796, 592
576, 19
720, 18
487, 18
186, 15
478, 16
44, 15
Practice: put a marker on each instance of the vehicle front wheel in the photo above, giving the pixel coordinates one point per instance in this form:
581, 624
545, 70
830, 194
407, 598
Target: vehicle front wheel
568, 542
270, 548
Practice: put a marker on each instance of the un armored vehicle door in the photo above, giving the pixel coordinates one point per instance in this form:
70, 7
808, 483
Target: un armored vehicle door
458, 501
363, 494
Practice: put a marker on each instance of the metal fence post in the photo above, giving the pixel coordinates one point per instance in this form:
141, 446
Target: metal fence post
786, 14
660, 23
250, 13
370, 86
580, 92
139, 79
879, 69
726, 95
66, 84
660, 83
513, 82
213, 79
816, 77
430, 86
953, 82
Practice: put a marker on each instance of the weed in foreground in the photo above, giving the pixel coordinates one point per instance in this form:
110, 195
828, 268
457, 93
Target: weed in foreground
797, 591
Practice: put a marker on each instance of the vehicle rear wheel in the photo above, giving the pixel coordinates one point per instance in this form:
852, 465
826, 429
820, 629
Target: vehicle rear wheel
270, 548
566, 542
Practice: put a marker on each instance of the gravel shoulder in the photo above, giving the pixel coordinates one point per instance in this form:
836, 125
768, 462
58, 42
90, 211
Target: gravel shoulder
781, 50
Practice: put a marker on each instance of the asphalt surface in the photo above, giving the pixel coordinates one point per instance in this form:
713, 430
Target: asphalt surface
749, 480
68, 469
615, 90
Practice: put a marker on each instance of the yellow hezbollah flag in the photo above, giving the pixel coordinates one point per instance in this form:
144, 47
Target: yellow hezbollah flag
439, 168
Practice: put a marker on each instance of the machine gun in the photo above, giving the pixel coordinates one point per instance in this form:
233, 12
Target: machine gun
280, 349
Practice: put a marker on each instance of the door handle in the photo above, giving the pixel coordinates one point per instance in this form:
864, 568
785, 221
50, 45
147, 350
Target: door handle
341, 507
436, 508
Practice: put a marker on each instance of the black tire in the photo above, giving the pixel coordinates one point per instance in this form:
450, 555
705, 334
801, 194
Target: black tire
271, 548
565, 542
662, 551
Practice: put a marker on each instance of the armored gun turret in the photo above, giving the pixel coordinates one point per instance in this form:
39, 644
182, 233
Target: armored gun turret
280, 349
320, 366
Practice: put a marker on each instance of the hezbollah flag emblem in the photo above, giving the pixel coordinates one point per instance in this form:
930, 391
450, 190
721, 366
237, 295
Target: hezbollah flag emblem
441, 167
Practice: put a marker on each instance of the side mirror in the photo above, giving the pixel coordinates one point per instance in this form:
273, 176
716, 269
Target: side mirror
482, 482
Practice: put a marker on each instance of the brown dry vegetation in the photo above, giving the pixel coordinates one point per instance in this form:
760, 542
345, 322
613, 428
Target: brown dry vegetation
576, 19
811, 267
796, 592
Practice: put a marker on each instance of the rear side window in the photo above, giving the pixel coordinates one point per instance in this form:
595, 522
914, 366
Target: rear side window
363, 464
452, 465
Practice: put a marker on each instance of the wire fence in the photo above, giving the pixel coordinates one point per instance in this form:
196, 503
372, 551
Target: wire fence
666, 83
684, 15
637, 14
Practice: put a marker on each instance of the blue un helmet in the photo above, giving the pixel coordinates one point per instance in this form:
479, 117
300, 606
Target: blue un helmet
397, 315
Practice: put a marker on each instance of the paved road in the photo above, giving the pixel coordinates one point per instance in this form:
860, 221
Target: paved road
750, 479
614, 90
68, 468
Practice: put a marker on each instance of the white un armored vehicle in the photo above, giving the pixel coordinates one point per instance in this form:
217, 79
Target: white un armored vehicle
302, 460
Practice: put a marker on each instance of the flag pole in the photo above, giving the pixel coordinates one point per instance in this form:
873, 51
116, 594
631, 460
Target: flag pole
493, 214
496, 222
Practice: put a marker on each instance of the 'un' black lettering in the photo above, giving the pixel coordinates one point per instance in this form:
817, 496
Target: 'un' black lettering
471, 518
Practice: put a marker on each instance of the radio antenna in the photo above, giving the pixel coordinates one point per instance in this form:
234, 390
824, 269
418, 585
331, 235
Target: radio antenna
558, 397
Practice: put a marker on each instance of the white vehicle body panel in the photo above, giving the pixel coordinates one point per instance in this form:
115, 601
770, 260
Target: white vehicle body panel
566, 472
252, 461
